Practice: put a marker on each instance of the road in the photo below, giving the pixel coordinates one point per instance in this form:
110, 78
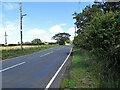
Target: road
38, 70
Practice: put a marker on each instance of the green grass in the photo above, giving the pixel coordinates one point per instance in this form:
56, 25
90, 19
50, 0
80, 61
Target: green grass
10, 53
80, 74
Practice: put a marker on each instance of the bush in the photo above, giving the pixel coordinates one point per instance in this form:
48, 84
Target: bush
61, 42
12, 44
102, 38
2, 45
52, 43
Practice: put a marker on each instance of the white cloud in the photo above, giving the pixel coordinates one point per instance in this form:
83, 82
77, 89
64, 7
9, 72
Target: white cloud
45, 35
71, 31
41, 34
36, 32
1, 31
10, 6
56, 29
63, 24
10, 27
12, 30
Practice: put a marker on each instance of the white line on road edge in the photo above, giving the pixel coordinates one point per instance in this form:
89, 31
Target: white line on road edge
12, 66
53, 78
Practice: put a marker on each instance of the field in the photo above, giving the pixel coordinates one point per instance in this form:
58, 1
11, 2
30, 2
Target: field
15, 51
18, 47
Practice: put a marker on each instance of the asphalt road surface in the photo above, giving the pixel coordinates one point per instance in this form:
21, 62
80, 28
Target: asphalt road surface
38, 70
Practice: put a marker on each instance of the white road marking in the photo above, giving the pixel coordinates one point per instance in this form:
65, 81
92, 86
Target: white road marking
46, 54
53, 78
12, 66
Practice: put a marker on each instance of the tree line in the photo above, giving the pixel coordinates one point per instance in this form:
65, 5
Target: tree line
61, 39
98, 31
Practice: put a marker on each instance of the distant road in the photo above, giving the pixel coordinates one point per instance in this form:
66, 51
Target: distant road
38, 70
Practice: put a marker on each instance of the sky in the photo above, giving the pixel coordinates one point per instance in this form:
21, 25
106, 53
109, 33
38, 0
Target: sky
43, 20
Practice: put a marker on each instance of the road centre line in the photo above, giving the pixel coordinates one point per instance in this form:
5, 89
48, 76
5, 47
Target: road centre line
12, 66
51, 52
46, 54
55, 75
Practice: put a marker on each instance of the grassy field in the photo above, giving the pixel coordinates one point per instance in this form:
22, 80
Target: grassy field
14, 51
18, 47
80, 75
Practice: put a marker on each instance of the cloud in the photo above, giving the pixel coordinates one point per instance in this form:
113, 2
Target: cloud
10, 6
12, 30
45, 35
36, 32
63, 24
56, 29
71, 31
1, 31
10, 27
41, 34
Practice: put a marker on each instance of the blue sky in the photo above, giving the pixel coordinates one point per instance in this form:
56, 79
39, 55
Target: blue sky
43, 20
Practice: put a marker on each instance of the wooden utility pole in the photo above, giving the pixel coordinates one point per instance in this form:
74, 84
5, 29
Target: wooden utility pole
21, 17
21, 23
6, 38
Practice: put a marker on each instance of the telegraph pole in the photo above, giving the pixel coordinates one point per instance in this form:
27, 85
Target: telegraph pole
6, 38
21, 17
21, 23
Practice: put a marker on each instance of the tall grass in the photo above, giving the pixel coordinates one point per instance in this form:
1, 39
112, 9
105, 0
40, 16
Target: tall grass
19, 47
80, 74
89, 71
108, 77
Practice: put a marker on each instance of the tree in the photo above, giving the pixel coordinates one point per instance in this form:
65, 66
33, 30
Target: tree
82, 20
36, 41
27, 43
108, 5
99, 33
61, 38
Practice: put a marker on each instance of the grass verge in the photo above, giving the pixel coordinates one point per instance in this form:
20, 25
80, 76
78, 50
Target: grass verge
80, 75
10, 53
